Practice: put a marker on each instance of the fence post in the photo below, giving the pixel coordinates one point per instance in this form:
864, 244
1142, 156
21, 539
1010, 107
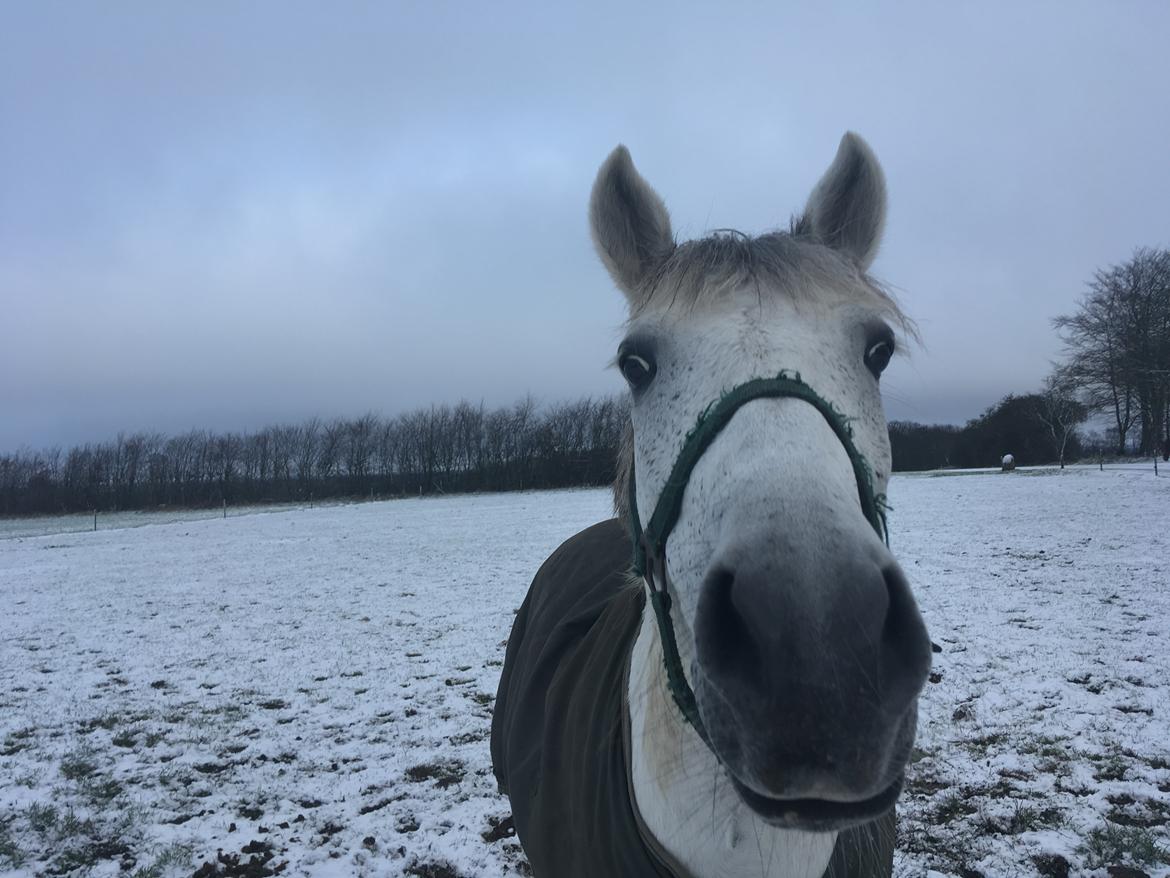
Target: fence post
225, 507
95, 519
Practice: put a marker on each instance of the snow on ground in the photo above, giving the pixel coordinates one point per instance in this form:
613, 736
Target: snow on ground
314, 687
1048, 732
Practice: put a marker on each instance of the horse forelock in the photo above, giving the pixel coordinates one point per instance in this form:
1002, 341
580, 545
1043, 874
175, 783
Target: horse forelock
791, 263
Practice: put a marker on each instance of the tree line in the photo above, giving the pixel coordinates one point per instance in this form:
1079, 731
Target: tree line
1035, 428
439, 449
1116, 365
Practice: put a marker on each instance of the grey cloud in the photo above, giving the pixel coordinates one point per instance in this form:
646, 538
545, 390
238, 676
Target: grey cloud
263, 213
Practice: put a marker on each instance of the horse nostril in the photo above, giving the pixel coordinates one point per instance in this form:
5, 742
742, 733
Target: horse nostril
907, 648
722, 636
901, 612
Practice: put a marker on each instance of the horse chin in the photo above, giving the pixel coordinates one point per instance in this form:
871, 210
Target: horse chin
798, 796
817, 815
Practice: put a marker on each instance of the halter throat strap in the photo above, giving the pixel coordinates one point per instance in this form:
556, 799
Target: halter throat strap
649, 543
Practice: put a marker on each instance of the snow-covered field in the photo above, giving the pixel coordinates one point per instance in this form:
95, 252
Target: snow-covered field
314, 687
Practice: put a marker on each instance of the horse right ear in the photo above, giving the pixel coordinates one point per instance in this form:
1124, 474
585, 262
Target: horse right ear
629, 224
847, 209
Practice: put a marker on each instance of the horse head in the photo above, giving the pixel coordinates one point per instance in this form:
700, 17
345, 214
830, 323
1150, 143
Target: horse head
796, 628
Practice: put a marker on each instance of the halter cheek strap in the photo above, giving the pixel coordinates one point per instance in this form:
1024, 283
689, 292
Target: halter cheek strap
650, 543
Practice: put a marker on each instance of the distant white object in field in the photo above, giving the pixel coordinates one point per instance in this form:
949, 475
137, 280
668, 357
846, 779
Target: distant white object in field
1008, 463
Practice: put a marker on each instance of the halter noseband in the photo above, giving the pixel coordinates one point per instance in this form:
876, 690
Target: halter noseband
650, 543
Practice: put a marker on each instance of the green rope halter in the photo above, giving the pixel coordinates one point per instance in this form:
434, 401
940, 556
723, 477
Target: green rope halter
650, 543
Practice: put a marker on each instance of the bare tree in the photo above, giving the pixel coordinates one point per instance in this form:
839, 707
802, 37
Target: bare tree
306, 449
1059, 410
283, 451
386, 452
358, 444
1118, 347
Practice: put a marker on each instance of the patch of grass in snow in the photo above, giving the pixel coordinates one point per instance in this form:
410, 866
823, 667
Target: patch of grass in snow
923, 777
71, 825
251, 811
175, 857
981, 744
1023, 818
1053, 758
1110, 767
1147, 813
952, 848
82, 768
1050, 746
228, 712
444, 774
29, 779
1051, 865
41, 818
88, 854
14, 742
469, 737
431, 870
101, 791
81, 842
107, 721
1122, 845
951, 806
10, 853
79, 765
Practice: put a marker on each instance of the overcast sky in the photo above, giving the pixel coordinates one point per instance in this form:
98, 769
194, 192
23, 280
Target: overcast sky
229, 215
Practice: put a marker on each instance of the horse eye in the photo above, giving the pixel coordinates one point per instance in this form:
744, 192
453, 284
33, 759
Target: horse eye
636, 370
878, 356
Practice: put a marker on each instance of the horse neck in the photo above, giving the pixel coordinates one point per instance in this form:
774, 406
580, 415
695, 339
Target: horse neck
684, 799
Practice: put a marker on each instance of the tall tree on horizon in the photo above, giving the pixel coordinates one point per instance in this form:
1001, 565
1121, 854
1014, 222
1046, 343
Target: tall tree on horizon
1118, 348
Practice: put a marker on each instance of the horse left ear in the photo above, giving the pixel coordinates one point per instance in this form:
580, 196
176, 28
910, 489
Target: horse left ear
629, 223
847, 209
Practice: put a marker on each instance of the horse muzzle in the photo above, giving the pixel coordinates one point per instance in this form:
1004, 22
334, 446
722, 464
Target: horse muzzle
807, 673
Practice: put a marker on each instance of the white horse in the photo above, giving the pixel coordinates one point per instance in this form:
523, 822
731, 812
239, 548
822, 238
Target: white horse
755, 715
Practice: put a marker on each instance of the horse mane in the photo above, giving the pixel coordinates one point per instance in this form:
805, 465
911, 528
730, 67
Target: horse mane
706, 269
625, 465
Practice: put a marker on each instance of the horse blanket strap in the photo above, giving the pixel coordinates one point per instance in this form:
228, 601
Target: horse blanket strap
649, 543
